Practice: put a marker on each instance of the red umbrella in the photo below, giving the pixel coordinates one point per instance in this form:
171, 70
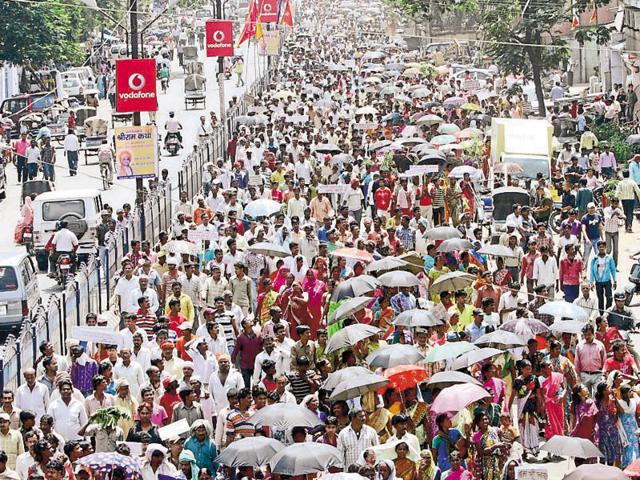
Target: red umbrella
354, 253
633, 470
403, 377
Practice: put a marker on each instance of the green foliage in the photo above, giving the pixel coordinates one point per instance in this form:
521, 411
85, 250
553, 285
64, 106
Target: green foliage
616, 136
473, 148
427, 70
108, 417
39, 32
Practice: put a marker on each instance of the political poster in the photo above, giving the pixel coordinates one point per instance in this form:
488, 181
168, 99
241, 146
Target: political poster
136, 151
340, 189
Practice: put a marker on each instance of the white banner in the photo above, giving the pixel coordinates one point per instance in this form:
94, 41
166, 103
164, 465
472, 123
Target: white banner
471, 85
98, 335
334, 188
423, 169
365, 126
200, 235
531, 473
174, 430
256, 180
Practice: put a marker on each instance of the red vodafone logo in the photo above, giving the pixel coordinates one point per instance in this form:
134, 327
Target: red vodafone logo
136, 82
136, 85
219, 38
269, 11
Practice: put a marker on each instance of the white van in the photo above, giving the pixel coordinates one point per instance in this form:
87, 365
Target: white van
73, 83
88, 77
19, 293
79, 208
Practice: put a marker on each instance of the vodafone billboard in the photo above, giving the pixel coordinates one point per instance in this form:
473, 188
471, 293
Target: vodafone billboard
268, 11
136, 85
219, 38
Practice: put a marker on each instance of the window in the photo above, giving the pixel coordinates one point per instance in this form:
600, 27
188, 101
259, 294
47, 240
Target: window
8, 279
53, 211
43, 102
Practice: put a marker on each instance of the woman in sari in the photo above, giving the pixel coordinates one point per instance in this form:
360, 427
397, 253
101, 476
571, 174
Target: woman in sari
320, 267
266, 300
554, 395
298, 310
405, 468
608, 436
526, 394
280, 279
627, 407
285, 293
584, 415
488, 458
316, 291
494, 385
378, 417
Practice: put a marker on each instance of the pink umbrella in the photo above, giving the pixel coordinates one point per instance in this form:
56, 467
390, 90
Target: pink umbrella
457, 397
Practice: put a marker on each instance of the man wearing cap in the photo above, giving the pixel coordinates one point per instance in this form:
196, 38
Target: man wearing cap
10, 441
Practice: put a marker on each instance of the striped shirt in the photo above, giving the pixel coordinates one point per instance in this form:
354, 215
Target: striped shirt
238, 426
438, 198
299, 386
354, 444
627, 190
225, 320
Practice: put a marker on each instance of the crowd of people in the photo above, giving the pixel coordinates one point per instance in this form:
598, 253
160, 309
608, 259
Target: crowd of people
334, 296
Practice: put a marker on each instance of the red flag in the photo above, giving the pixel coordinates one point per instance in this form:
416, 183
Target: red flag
287, 16
576, 21
594, 15
249, 28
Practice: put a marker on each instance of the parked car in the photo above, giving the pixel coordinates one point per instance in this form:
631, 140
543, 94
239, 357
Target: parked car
19, 293
19, 106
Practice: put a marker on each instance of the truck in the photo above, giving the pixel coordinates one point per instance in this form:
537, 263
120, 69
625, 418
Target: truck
525, 142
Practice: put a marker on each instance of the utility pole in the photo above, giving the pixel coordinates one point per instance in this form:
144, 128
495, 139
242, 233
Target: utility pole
135, 54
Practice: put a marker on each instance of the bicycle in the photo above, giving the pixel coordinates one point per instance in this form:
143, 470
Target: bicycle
104, 173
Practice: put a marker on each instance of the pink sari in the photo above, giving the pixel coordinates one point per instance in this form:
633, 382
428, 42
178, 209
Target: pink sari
552, 388
496, 387
315, 290
280, 279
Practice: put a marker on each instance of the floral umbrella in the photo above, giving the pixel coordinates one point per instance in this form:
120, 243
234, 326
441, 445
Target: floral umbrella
107, 462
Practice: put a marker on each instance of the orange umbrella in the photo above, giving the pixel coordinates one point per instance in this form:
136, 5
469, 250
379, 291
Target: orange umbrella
354, 253
403, 377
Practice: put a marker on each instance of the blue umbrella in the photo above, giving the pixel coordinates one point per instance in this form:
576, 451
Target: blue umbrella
107, 462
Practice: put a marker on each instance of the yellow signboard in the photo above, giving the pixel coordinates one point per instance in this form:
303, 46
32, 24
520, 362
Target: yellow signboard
136, 152
269, 43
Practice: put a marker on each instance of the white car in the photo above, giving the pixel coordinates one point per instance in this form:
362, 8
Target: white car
72, 83
475, 74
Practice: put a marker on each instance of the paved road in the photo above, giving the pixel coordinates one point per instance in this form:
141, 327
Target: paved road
123, 191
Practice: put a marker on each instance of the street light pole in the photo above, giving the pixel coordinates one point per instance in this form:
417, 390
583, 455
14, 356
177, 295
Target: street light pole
135, 54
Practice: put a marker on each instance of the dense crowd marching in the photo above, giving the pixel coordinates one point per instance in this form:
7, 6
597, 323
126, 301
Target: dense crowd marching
316, 291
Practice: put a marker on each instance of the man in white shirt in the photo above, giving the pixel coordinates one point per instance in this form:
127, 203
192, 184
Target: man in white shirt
32, 395
126, 284
545, 272
33, 159
71, 147
296, 205
173, 127
142, 291
269, 352
64, 241
204, 129
68, 413
303, 169
129, 370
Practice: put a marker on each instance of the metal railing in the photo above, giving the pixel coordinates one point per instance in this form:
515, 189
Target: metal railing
92, 287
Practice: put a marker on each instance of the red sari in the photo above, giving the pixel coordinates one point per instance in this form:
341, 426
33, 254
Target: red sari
552, 389
315, 290
298, 314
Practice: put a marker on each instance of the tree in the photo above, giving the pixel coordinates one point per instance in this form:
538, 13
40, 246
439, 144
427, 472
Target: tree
36, 33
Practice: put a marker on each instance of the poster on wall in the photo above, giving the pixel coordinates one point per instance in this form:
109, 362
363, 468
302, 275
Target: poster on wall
136, 151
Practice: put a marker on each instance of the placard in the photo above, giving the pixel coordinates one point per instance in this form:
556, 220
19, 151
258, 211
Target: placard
174, 430
136, 151
341, 189
201, 235
531, 473
102, 335
365, 126
471, 85
256, 180
269, 43
423, 169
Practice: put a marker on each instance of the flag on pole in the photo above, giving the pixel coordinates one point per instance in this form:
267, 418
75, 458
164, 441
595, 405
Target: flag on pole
287, 16
258, 31
594, 15
575, 21
249, 28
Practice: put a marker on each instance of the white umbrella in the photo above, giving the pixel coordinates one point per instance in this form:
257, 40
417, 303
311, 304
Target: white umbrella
180, 247
416, 318
285, 415
394, 355
450, 282
467, 359
496, 250
368, 110
305, 458
448, 129
453, 245
349, 336
344, 374
500, 339
358, 386
443, 233
567, 326
269, 249
429, 119
458, 172
349, 307
571, 447
386, 264
249, 452
450, 377
560, 308
399, 279
263, 207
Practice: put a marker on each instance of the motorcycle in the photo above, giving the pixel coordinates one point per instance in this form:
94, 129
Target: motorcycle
632, 288
64, 269
172, 144
27, 239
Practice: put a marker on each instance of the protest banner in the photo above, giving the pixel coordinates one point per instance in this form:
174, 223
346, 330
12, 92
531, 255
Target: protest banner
341, 189
102, 335
174, 430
